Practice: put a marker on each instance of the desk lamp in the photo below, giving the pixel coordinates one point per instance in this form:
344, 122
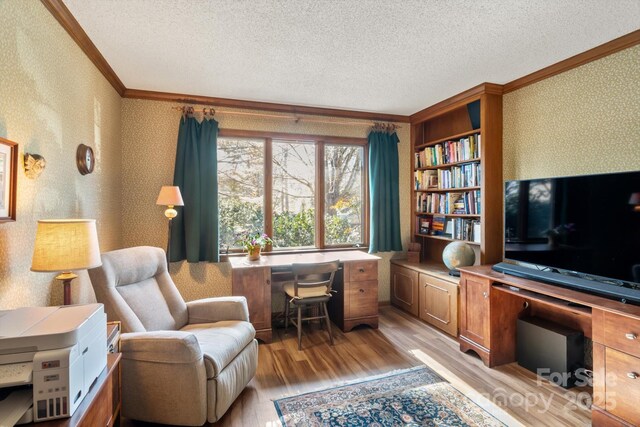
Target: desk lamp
63, 245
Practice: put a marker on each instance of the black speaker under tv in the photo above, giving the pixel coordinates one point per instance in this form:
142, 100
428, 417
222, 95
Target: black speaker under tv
578, 231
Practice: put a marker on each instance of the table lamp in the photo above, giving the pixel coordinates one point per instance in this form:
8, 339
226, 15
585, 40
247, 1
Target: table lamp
170, 196
63, 245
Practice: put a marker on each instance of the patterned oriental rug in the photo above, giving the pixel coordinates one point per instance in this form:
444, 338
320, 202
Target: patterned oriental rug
411, 397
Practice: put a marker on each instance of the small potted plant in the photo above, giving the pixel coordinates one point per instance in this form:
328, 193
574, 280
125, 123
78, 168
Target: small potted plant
253, 244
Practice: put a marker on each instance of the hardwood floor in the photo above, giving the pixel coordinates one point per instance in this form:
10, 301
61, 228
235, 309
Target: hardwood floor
400, 342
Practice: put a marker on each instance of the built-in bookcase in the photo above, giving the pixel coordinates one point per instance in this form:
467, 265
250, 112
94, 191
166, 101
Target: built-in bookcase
456, 155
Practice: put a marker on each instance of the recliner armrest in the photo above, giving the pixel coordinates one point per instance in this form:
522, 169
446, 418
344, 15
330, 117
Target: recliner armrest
210, 310
160, 347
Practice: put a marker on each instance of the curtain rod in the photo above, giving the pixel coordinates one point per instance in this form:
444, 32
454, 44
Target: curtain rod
209, 111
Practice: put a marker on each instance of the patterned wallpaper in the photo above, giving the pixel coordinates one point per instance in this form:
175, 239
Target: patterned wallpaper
52, 98
586, 120
149, 134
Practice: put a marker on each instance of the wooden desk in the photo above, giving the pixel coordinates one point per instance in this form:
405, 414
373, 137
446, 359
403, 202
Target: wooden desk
101, 407
491, 302
356, 284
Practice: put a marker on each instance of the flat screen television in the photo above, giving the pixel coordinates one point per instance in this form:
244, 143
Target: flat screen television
587, 226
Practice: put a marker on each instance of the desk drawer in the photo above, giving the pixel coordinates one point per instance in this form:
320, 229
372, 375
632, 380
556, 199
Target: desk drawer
623, 385
622, 333
363, 270
362, 299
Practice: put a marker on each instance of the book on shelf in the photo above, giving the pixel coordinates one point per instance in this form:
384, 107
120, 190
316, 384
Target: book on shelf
427, 179
460, 203
448, 152
438, 224
424, 226
467, 175
466, 229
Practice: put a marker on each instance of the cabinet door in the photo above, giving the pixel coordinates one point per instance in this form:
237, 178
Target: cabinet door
439, 303
255, 285
474, 310
404, 289
363, 299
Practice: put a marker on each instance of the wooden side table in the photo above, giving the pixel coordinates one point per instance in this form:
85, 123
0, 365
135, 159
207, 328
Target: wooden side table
101, 407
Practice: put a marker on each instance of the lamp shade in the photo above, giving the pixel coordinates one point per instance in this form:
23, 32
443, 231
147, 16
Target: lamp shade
170, 196
65, 245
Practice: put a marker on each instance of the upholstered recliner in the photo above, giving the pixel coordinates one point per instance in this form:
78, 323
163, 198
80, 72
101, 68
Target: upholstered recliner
182, 363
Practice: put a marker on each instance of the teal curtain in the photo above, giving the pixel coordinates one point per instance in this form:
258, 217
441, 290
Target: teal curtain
384, 233
194, 233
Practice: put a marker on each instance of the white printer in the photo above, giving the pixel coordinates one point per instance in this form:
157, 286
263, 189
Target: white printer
60, 351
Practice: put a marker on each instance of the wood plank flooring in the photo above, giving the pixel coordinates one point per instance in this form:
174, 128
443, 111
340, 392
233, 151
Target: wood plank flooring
397, 344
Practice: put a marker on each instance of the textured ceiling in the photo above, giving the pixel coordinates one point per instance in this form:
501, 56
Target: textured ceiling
371, 55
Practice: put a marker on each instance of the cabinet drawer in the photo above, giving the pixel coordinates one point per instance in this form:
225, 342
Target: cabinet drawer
623, 385
363, 270
362, 299
622, 333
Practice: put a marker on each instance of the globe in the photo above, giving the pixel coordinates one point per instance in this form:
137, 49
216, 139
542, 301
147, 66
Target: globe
458, 254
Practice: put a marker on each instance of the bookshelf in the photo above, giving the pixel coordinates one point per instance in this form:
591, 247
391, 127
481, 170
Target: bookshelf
456, 178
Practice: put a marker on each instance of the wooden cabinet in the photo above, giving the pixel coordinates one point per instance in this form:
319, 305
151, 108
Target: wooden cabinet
404, 289
474, 309
426, 291
439, 303
616, 365
491, 303
356, 299
255, 285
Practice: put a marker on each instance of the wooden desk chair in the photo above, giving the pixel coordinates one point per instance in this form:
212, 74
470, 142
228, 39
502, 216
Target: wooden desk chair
311, 286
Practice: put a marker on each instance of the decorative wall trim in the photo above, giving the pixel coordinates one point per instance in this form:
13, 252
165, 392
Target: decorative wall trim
457, 100
69, 23
265, 106
597, 52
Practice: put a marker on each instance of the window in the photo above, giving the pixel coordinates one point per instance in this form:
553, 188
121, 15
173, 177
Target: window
240, 187
344, 194
304, 193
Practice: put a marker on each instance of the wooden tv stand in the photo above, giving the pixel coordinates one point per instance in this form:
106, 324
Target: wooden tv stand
491, 302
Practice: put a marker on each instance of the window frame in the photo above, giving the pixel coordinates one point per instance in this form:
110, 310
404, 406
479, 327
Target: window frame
319, 142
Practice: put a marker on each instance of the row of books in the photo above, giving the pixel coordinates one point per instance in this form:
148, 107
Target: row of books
455, 228
465, 229
449, 152
468, 175
467, 203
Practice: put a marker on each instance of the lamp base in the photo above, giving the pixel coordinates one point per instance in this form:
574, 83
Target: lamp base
66, 278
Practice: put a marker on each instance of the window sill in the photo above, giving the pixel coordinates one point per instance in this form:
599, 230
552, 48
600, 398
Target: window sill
363, 248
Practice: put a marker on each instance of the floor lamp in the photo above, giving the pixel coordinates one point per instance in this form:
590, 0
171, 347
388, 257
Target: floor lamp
169, 196
64, 245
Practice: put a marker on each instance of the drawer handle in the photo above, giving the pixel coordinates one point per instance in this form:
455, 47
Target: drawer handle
361, 270
485, 295
632, 375
630, 336
362, 291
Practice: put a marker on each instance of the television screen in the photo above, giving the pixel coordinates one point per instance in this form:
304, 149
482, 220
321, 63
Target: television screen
585, 224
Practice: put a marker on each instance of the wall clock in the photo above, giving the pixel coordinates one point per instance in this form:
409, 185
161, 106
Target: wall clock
85, 159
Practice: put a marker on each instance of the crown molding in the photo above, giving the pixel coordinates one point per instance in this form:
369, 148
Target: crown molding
615, 45
69, 23
457, 101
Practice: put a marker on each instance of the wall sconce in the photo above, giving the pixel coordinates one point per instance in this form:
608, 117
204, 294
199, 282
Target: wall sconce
34, 165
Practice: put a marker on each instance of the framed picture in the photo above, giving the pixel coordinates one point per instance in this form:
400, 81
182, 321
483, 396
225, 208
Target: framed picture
8, 179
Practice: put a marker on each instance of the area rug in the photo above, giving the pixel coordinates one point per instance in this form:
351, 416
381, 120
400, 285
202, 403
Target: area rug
411, 397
